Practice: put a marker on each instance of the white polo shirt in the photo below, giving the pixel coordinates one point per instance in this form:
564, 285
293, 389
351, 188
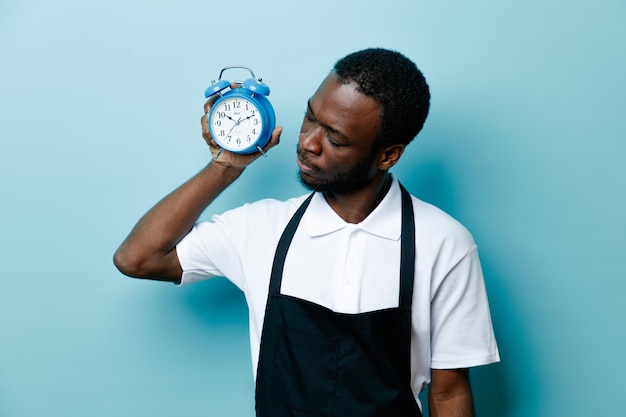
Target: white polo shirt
355, 268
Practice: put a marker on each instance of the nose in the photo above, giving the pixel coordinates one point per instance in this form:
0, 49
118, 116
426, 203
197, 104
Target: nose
310, 140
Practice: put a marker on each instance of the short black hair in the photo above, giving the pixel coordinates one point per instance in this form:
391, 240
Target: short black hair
394, 81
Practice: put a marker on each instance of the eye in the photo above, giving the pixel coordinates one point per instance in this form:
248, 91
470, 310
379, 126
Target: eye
332, 141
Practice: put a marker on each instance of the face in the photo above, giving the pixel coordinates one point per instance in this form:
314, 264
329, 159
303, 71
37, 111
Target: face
335, 148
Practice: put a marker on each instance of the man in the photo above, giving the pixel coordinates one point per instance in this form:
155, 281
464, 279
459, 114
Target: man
360, 295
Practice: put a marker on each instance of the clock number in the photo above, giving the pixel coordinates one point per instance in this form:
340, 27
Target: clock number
221, 114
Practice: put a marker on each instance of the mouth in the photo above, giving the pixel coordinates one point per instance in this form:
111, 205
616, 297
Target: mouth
304, 166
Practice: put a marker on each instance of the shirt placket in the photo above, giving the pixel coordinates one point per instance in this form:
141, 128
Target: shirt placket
352, 270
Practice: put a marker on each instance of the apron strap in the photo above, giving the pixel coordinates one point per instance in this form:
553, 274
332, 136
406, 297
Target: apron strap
407, 250
283, 246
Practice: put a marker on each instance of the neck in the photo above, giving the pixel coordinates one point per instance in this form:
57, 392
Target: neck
356, 206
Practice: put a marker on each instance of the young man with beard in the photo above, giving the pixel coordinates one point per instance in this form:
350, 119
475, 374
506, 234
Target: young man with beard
360, 295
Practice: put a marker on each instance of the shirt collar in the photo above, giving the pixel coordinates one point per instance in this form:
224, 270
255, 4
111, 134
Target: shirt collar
385, 221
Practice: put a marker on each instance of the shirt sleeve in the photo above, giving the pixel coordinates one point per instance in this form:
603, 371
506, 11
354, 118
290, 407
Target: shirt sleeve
461, 329
210, 249
236, 243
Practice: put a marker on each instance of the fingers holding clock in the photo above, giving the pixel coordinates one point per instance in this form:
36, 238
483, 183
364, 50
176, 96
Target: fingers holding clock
275, 139
243, 160
205, 130
204, 119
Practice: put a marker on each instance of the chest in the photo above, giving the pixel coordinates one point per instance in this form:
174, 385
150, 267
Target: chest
348, 271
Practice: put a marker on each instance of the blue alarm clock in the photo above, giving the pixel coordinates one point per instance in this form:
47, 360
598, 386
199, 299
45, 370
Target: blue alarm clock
242, 119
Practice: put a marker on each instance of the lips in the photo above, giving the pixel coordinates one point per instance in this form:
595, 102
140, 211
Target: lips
304, 166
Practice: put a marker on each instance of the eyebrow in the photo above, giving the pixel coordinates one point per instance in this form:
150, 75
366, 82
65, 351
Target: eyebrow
325, 126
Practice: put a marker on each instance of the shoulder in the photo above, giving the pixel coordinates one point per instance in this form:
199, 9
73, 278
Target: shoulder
217, 247
439, 234
437, 222
265, 210
434, 227
264, 216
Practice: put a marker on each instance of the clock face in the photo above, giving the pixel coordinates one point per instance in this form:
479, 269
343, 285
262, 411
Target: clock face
235, 123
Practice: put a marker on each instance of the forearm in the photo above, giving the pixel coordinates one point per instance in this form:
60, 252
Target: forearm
450, 394
148, 251
458, 406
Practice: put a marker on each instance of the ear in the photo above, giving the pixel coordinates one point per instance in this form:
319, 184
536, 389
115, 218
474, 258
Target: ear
389, 156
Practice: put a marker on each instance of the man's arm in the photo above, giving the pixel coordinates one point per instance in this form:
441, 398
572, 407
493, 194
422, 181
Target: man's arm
149, 251
450, 394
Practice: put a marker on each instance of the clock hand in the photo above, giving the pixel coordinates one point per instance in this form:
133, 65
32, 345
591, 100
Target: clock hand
228, 134
235, 125
246, 118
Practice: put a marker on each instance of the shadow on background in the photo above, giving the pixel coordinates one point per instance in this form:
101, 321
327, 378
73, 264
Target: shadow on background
217, 302
430, 181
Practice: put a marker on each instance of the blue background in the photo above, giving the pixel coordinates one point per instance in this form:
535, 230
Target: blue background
100, 104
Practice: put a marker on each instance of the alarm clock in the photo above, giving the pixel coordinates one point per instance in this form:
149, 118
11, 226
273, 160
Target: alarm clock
242, 119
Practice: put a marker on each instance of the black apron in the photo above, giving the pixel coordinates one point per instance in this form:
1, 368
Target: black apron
316, 362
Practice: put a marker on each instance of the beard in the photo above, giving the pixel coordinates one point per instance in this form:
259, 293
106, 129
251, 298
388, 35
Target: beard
347, 182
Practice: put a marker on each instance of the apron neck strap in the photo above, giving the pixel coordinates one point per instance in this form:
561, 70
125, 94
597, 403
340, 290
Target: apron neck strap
283, 246
407, 249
